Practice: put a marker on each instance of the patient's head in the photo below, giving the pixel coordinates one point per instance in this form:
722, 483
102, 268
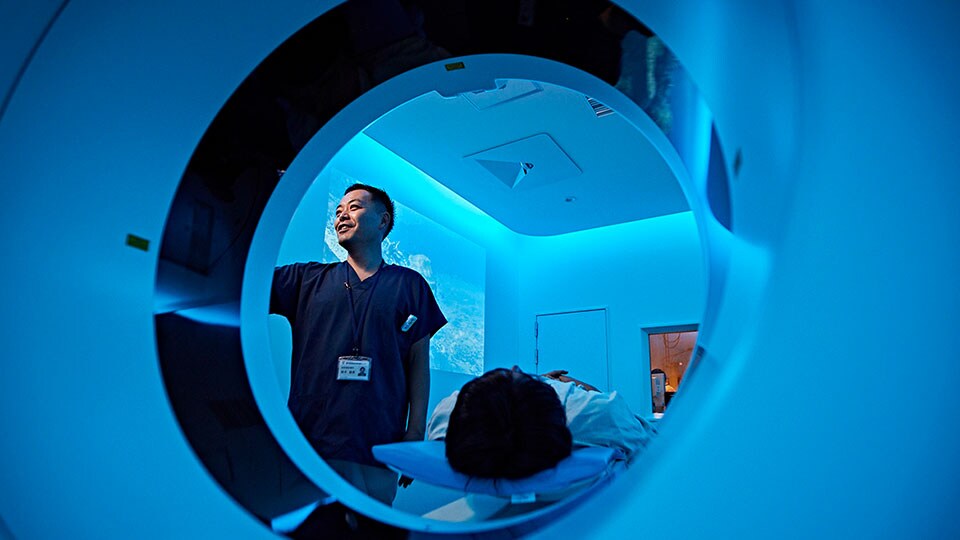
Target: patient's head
507, 424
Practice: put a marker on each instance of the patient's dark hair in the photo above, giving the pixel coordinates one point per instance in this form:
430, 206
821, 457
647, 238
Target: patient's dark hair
507, 424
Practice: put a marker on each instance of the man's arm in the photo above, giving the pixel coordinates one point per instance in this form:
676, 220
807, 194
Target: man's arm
418, 389
561, 375
285, 290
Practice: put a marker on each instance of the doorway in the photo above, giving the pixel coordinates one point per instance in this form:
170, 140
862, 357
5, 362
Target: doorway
670, 350
575, 341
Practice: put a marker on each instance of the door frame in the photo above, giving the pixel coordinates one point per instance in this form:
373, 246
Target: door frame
606, 336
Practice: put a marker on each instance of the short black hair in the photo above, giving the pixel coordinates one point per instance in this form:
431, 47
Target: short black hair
507, 424
380, 196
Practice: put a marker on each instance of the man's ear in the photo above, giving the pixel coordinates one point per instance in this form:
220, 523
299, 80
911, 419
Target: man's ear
385, 220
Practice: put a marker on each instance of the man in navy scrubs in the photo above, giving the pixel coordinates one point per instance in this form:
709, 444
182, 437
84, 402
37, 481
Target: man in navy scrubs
360, 373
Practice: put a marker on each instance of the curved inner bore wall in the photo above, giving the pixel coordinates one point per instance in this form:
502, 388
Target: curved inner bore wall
231, 173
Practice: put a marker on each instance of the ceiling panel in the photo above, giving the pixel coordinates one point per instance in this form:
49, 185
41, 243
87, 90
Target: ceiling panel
537, 158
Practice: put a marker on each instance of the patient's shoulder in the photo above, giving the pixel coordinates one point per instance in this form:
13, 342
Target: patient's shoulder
440, 419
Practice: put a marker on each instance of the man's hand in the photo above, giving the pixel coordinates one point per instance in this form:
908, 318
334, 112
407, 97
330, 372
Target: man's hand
412, 436
557, 375
409, 436
561, 375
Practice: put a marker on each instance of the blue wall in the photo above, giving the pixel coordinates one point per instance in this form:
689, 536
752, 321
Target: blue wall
646, 273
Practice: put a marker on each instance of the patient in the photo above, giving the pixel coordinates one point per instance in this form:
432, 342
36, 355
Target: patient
508, 424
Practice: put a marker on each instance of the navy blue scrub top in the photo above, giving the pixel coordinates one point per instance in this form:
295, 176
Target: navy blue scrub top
344, 419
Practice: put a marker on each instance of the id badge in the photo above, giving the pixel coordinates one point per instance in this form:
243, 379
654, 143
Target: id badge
354, 368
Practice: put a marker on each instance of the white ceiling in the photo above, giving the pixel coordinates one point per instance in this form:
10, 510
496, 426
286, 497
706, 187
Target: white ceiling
475, 145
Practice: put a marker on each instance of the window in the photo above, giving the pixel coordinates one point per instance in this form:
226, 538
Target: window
670, 354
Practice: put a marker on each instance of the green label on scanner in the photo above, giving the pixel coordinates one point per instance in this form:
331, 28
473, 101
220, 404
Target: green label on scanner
135, 241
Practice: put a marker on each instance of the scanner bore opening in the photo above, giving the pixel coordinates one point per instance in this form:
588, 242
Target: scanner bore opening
208, 249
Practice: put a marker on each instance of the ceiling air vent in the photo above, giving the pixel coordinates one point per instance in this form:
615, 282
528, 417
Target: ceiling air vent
527, 163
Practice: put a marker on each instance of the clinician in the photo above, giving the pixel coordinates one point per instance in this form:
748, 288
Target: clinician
360, 373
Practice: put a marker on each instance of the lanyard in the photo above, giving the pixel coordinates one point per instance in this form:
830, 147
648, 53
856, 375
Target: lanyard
358, 324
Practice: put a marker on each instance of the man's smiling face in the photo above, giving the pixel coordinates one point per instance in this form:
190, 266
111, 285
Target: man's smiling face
359, 219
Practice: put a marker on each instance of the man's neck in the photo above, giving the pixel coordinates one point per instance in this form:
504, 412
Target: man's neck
365, 262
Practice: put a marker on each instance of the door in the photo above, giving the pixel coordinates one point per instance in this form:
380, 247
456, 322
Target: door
574, 341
